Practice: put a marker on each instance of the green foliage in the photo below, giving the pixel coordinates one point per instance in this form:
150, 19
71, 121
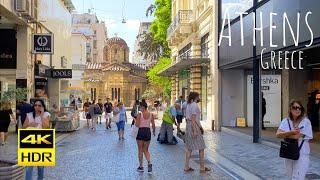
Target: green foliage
18, 94
154, 44
164, 83
149, 93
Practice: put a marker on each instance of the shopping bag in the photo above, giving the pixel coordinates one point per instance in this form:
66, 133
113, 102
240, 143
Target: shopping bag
134, 131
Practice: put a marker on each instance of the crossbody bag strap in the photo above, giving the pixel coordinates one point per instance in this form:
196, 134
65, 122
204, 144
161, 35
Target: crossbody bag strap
301, 145
289, 124
290, 130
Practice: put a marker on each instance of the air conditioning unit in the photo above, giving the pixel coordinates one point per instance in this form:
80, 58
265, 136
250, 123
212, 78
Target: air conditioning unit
21, 6
27, 8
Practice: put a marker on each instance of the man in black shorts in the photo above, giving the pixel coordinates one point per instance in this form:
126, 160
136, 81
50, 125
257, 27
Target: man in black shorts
108, 111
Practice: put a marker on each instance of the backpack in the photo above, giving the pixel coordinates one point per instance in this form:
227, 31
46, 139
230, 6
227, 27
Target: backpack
97, 110
134, 112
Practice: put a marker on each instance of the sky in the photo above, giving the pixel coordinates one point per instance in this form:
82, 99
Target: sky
113, 11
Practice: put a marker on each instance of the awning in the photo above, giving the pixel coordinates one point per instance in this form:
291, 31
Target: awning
183, 64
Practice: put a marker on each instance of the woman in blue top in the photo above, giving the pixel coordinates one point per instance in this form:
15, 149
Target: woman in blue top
122, 120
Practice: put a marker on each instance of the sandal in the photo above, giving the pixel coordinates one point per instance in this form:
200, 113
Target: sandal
206, 169
188, 170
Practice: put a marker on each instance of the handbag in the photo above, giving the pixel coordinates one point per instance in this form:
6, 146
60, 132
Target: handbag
290, 148
200, 127
134, 131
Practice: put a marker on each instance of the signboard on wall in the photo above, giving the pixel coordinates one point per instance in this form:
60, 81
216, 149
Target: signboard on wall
271, 88
42, 43
8, 49
61, 73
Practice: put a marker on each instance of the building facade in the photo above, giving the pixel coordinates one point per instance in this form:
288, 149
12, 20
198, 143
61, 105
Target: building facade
192, 39
95, 30
20, 67
115, 78
79, 60
279, 86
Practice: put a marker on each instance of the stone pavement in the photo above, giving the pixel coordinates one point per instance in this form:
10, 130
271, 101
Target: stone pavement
261, 160
100, 155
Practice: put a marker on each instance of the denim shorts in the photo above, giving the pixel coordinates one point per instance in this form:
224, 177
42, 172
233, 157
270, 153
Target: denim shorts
120, 125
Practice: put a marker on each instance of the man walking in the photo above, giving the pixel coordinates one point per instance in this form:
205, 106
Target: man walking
108, 111
264, 111
94, 111
179, 116
86, 106
22, 110
168, 120
135, 112
101, 108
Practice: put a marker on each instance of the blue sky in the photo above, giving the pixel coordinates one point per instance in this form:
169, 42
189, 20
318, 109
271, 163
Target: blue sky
111, 12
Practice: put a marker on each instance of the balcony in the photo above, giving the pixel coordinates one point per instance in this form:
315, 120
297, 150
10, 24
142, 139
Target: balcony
180, 27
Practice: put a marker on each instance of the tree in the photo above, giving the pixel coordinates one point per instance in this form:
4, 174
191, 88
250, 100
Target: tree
154, 44
163, 83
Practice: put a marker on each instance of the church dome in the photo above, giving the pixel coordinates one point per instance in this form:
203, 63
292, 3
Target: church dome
116, 41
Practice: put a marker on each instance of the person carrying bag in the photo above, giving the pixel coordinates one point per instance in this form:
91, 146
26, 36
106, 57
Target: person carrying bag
290, 148
296, 130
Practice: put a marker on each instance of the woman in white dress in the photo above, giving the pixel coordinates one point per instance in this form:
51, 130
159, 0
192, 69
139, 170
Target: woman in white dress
194, 138
38, 119
297, 126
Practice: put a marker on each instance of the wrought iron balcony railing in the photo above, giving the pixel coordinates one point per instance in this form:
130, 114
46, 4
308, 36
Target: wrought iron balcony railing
183, 17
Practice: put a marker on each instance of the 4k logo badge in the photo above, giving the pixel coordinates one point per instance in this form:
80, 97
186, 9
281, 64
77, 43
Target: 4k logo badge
36, 147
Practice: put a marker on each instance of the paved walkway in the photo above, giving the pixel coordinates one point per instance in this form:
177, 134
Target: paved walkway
270, 135
100, 155
258, 159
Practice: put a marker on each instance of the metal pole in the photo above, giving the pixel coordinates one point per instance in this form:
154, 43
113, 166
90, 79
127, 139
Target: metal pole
256, 89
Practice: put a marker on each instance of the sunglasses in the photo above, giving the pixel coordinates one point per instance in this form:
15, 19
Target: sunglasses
37, 105
298, 108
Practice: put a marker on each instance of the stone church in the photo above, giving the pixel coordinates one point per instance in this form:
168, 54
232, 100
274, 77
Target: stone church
115, 78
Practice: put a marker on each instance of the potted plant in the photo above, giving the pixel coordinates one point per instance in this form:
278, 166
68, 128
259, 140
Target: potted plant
10, 170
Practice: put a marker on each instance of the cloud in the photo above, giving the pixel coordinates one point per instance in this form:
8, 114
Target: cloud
132, 24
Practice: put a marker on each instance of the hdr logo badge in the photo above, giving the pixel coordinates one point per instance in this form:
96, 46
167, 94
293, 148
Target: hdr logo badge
36, 147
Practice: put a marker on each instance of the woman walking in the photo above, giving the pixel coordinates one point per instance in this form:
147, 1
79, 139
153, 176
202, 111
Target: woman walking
143, 121
194, 139
121, 110
6, 115
297, 126
38, 119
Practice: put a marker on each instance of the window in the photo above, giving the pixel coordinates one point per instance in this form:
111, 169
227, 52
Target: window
112, 92
119, 97
205, 46
185, 52
95, 44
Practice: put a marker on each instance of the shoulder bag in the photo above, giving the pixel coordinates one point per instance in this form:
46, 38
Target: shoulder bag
290, 148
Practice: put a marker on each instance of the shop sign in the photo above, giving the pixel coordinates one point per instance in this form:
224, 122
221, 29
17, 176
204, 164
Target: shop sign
78, 67
61, 73
8, 50
271, 88
42, 70
43, 43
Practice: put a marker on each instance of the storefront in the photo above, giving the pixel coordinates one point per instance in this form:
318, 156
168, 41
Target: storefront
279, 86
8, 59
